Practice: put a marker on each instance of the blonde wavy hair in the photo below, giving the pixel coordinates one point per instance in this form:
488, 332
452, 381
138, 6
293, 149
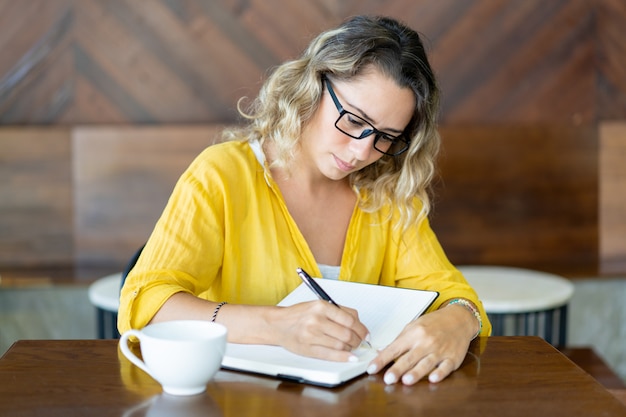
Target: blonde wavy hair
293, 91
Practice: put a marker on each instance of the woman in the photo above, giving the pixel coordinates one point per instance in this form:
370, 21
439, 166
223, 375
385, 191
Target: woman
330, 174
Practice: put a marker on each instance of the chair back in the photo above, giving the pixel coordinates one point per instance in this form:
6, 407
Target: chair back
130, 265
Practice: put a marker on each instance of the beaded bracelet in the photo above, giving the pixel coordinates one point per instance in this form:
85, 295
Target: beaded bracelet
217, 309
474, 311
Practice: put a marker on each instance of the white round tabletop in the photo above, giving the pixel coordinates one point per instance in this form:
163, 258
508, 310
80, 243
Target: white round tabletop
104, 293
517, 290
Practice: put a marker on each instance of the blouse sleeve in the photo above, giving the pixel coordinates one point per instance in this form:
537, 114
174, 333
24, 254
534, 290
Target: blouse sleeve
190, 227
422, 264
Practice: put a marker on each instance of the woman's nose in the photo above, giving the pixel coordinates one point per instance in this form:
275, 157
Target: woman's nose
361, 148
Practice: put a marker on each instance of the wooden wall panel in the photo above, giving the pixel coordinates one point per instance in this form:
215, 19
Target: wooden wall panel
531, 65
519, 196
612, 201
35, 197
36, 69
611, 67
122, 178
515, 62
159, 61
524, 196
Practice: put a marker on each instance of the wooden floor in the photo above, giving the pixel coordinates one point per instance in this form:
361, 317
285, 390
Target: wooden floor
45, 312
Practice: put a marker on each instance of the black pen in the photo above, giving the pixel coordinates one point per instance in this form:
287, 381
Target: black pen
319, 291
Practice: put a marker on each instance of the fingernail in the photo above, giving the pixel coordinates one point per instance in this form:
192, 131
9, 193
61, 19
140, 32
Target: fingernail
368, 338
390, 378
372, 369
433, 377
407, 379
353, 358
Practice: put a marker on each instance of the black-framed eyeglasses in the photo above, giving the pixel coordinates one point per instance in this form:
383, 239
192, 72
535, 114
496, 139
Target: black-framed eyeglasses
358, 128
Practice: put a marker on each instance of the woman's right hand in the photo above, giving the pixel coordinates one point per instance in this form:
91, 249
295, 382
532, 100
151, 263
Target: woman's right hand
319, 329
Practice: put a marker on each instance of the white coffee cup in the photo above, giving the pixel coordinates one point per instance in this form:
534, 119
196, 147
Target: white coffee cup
182, 355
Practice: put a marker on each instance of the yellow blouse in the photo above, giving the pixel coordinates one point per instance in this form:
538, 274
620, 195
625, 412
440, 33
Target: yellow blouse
226, 235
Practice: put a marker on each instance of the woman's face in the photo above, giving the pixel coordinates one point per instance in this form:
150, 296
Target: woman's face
371, 96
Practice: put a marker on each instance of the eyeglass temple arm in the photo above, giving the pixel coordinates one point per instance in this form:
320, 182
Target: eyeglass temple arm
333, 95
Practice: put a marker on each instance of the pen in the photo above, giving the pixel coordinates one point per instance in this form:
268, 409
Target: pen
319, 291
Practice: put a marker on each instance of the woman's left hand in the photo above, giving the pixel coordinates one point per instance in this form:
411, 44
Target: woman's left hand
435, 344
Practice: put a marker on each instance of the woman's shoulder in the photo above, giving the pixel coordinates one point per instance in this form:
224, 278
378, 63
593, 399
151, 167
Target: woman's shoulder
232, 161
233, 149
231, 155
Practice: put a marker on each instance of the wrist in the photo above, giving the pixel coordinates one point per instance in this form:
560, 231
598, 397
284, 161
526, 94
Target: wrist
471, 308
217, 310
270, 316
247, 324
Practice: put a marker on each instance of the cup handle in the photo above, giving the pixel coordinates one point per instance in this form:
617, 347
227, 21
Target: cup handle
129, 354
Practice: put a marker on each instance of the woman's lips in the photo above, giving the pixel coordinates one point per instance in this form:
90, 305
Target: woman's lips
344, 166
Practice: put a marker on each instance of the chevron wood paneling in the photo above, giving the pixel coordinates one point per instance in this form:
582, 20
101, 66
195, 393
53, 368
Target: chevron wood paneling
36, 69
550, 71
166, 61
611, 67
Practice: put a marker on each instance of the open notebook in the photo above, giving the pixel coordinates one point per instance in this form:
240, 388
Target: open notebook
385, 311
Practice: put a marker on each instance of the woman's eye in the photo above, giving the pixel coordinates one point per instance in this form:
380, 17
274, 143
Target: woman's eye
387, 138
356, 121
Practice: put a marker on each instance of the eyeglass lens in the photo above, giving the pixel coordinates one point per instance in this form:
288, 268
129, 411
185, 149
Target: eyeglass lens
359, 128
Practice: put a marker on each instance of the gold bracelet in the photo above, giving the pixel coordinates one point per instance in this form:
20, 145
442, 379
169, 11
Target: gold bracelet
473, 310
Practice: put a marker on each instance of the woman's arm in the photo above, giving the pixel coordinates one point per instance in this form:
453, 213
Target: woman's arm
315, 329
435, 344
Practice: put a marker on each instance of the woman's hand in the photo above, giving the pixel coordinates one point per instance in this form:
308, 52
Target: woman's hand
320, 330
317, 328
435, 345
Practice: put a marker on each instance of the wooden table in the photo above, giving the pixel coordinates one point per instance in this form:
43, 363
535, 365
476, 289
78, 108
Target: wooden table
501, 376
